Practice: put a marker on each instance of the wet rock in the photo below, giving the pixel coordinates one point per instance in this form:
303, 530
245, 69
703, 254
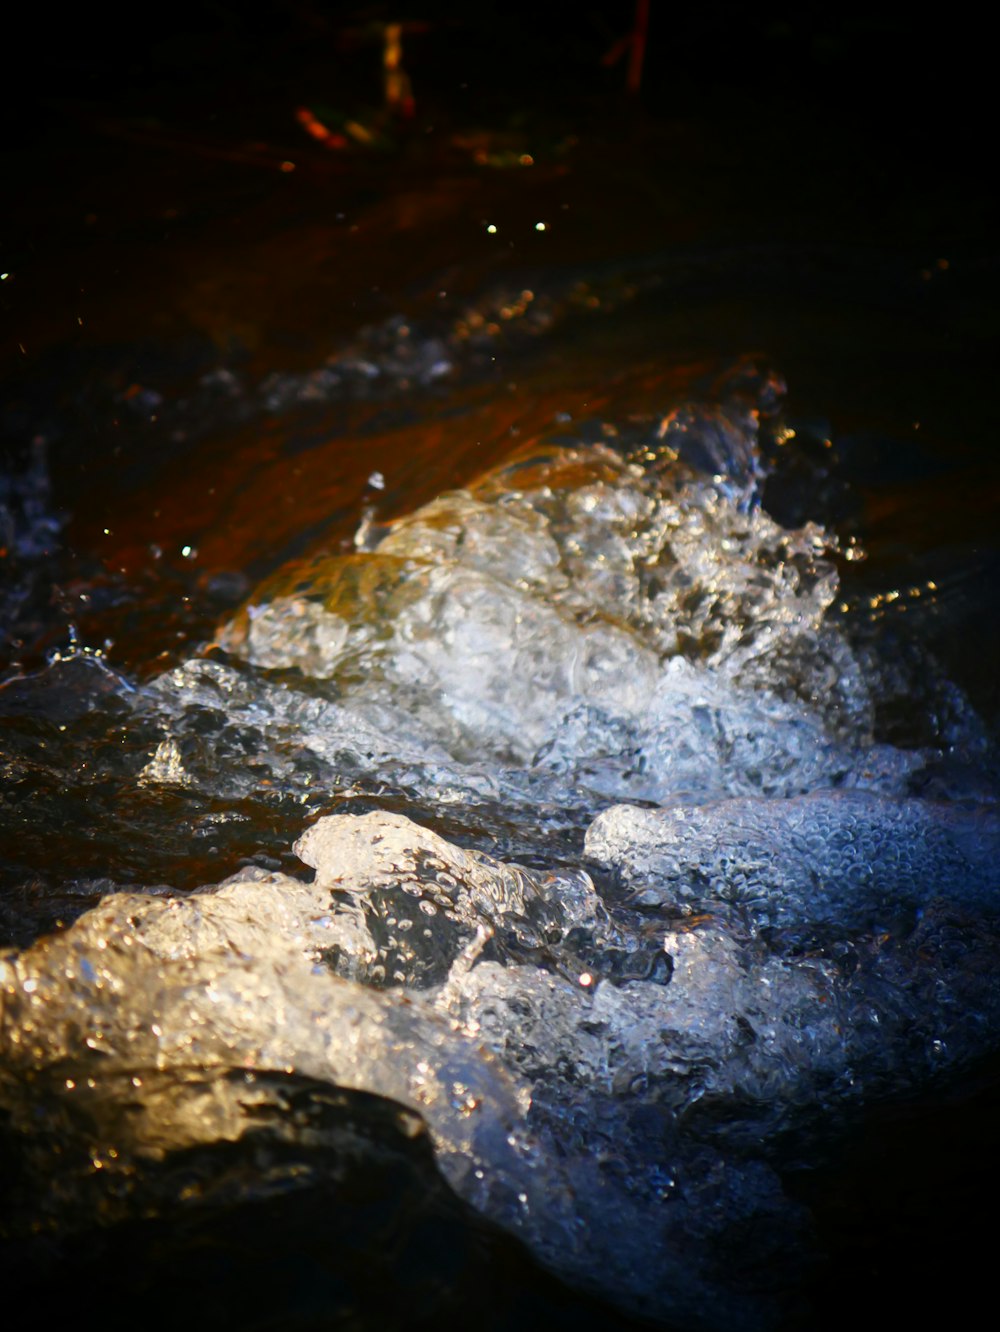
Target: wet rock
230, 977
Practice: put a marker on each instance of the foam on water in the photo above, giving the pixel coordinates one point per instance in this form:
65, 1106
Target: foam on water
844, 858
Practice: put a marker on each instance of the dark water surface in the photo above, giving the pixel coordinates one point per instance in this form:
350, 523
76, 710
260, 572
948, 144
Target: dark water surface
233, 358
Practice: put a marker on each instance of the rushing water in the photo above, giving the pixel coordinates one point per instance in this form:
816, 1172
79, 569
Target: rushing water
621, 886
507, 809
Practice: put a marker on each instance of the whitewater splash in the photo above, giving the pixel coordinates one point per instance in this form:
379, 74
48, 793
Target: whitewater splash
710, 922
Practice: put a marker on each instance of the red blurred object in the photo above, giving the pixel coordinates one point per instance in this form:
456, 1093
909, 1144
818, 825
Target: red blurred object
317, 130
634, 42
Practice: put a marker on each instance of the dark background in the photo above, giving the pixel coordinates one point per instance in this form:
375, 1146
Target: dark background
151, 235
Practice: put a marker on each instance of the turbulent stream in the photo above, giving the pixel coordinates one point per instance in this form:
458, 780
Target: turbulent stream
576, 845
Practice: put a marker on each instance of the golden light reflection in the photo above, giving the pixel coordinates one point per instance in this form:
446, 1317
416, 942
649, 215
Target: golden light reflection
880, 600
